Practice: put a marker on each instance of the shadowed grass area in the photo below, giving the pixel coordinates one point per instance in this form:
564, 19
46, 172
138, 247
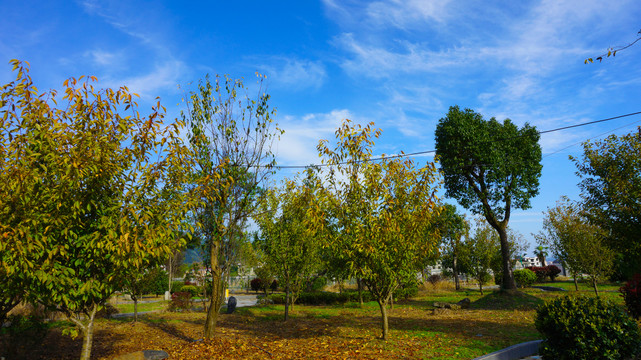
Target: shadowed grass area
493, 321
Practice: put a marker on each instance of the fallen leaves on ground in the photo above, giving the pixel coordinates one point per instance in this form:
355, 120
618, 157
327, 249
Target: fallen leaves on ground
312, 332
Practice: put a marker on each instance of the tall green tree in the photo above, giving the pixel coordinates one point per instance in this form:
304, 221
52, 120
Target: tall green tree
288, 235
231, 136
88, 192
580, 245
610, 172
489, 168
384, 212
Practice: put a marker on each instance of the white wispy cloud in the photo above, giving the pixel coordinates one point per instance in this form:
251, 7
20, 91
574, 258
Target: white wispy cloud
294, 74
297, 146
405, 13
164, 77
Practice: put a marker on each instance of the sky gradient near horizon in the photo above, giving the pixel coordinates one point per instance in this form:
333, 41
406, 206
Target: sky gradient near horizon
400, 64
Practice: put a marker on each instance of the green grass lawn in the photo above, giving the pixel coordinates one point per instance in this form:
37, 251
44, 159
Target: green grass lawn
154, 306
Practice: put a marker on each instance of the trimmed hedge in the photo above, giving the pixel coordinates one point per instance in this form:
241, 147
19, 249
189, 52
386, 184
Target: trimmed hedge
576, 328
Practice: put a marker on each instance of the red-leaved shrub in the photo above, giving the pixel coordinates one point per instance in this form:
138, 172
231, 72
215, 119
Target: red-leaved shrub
631, 293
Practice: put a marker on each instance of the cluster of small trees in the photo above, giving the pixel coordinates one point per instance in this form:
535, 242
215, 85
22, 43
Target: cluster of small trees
598, 235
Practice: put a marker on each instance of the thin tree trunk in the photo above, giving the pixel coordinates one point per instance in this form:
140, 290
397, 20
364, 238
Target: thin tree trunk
287, 301
596, 290
576, 283
384, 323
215, 301
455, 270
481, 286
135, 299
88, 333
171, 260
360, 291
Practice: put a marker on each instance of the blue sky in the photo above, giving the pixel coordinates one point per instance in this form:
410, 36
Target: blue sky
398, 63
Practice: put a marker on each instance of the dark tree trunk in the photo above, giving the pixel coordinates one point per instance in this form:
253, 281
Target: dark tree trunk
576, 283
287, 301
596, 290
508, 276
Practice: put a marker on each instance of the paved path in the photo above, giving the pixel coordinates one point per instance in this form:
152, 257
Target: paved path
241, 301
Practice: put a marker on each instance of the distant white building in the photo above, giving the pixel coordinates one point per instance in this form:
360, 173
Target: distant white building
531, 261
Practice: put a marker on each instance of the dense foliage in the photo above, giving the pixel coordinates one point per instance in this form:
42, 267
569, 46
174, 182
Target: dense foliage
631, 293
610, 170
576, 328
91, 192
524, 277
383, 213
490, 168
544, 272
576, 241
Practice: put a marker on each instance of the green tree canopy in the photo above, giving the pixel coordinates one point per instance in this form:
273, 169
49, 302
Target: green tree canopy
489, 168
579, 244
610, 170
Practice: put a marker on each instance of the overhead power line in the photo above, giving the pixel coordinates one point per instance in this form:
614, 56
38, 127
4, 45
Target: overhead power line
402, 155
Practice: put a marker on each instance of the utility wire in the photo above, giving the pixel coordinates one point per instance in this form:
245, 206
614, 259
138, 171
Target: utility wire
402, 155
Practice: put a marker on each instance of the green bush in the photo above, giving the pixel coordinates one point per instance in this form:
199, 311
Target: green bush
586, 328
176, 286
323, 298
193, 290
317, 284
524, 278
406, 292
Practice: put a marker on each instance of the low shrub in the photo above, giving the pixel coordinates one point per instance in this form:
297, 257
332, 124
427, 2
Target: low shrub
193, 290
543, 272
180, 301
176, 286
407, 291
586, 328
256, 284
524, 278
552, 271
631, 293
323, 298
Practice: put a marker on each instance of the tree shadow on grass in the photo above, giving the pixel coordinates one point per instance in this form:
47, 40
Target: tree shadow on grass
514, 300
55, 345
170, 329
